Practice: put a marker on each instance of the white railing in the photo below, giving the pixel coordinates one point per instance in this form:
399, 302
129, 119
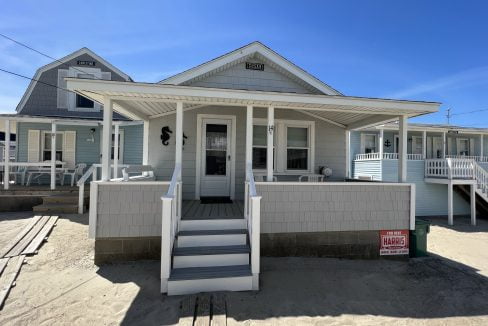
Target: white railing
476, 158
481, 176
171, 217
252, 214
450, 168
93, 173
386, 156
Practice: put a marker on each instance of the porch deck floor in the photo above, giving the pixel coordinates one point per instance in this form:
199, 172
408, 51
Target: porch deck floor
195, 210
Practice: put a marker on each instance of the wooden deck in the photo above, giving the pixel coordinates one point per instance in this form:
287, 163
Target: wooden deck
193, 209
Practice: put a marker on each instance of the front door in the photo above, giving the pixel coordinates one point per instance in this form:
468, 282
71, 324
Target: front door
437, 143
216, 158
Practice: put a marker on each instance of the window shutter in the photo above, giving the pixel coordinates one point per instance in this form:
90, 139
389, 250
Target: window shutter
33, 142
449, 146
62, 94
69, 149
429, 147
106, 75
471, 146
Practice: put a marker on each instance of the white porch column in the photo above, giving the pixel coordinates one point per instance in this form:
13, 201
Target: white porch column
179, 136
145, 142
444, 145
473, 204
380, 143
424, 144
249, 136
450, 219
348, 154
269, 153
106, 137
402, 151
6, 159
116, 152
53, 156
482, 147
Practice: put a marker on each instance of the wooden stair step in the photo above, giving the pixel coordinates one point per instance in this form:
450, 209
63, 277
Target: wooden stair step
212, 232
57, 208
211, 250
198, 273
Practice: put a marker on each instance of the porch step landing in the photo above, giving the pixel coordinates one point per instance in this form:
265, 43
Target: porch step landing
60, 203
211, 255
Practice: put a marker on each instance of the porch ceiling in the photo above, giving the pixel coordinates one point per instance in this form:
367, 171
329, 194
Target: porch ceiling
143, 101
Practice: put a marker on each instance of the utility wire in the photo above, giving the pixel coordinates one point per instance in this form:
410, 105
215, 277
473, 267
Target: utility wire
39, 81
43, 54
462, 113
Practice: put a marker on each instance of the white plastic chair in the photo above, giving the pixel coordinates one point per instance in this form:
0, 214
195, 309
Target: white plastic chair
263, 178
312, 178
20, 171
75, 174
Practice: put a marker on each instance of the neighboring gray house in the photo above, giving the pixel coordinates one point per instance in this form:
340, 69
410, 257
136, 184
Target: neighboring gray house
46, 104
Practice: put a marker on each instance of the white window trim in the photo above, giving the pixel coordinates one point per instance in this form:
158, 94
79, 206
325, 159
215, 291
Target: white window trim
363, 142
280, 152
43, 140
121, 146
72, 72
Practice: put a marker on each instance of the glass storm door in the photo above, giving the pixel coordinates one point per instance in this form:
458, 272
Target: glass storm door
216, 159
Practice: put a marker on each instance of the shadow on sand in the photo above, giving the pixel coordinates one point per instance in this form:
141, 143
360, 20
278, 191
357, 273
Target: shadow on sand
422, 288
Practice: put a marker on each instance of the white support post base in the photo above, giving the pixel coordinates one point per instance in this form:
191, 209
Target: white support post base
473, 204
450, 218
166, 242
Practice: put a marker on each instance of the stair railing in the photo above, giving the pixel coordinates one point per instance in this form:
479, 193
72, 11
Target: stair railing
91, 172
481, 176
252, 214
171, 218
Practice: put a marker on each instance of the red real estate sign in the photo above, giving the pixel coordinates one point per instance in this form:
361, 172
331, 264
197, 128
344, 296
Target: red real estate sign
393, 242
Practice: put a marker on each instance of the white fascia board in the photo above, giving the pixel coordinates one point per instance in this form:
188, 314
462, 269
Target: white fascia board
258, 98
246, 51
53, 64
434, 129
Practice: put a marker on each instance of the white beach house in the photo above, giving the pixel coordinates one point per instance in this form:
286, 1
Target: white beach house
209, 134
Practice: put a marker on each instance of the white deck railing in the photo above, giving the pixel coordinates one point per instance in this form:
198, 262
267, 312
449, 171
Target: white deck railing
450, 168
386, 156
476, 158
252, 214
93, 173
171, 217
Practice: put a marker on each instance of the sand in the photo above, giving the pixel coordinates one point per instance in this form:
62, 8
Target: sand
61, 286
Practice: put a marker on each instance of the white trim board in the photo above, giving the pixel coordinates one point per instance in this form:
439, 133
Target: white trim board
198, 154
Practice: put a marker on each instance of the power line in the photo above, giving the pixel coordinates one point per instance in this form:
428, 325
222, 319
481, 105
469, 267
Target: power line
39, 81
462, 113
43, 54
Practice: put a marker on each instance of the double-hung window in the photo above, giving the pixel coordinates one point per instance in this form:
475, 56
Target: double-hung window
297, 148
47, 145
292, 146
369, 143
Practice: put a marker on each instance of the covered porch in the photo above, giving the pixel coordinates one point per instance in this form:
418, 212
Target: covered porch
219, 141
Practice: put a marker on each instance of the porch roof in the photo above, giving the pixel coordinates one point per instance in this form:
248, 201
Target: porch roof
145, 101
61, 120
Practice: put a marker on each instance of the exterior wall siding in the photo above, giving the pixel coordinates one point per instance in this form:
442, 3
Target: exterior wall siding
129, 210
238, 77
86, 151
367, 168
431, 199
43, 99
333, 207
329, 142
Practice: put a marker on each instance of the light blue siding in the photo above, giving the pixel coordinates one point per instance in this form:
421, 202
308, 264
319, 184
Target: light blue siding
431, 199
86, 151
367, 168
133, 138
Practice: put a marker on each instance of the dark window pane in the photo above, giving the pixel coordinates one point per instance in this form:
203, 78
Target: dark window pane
216, 163
83, 102
47, 156
297, 159
259, 158
216, 137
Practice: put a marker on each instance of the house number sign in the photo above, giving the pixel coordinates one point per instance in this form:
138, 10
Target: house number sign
255, 66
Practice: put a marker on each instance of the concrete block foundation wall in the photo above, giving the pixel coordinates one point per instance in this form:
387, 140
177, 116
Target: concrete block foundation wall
330, 219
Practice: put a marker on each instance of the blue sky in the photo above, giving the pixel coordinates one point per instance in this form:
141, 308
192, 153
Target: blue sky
419, 50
